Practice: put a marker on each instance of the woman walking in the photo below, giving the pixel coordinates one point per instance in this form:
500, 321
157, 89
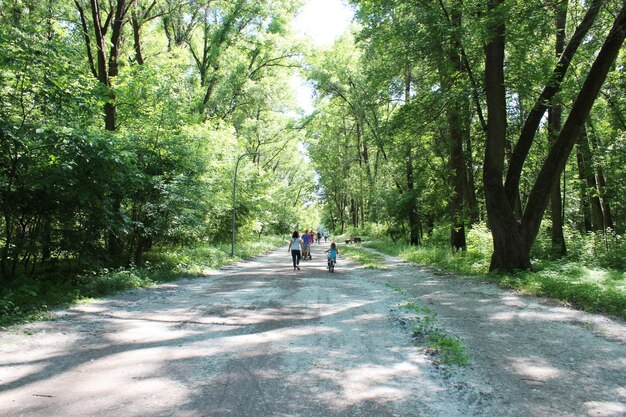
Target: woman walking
294, 246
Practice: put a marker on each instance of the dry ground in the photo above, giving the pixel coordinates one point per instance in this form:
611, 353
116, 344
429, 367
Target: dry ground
260, 339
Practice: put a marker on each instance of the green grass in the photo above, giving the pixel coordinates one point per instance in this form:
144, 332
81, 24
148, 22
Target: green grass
587, 289
591, 289
32, 298
446, 348
363, 257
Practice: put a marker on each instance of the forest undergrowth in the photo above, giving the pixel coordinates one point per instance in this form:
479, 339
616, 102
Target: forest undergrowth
33, 297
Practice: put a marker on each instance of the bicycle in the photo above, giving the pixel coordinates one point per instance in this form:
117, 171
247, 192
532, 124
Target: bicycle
331, 264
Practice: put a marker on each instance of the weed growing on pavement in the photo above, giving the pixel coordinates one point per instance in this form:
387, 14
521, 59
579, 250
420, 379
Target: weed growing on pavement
448, 349
397, 289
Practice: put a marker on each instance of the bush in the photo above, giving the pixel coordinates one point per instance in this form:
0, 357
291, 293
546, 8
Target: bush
29, 298
585, 282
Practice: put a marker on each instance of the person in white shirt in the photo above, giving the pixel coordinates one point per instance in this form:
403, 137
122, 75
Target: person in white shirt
294, 247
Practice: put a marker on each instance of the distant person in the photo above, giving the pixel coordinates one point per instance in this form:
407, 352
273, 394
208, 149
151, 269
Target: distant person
312, 237
332, 253
294, 247
325, 236
306, 245
319, 237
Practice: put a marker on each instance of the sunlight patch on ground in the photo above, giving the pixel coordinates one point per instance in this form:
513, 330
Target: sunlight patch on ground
532, 315
19, 372
278, 335
362, 318
151, 395
239, 343
605, 408
371, 382
142, 330
535, 369
336, 308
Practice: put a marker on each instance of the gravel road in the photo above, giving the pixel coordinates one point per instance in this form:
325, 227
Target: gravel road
259, 339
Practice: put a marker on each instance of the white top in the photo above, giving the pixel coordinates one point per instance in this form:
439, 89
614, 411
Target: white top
295, 243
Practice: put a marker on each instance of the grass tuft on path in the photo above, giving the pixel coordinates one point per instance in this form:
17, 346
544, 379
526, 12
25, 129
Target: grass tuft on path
446, 348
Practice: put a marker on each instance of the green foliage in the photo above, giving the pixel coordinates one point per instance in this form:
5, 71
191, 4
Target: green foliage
584, 280
29, 298
77, 197
448, 349
363, 257
587, 289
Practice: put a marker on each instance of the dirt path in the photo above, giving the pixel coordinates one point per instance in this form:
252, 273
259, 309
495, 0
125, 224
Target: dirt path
262, 340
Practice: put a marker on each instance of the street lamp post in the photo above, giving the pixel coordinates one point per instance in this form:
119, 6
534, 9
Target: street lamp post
232, 244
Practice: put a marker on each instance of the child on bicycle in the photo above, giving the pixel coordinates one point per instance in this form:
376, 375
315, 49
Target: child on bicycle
332, 252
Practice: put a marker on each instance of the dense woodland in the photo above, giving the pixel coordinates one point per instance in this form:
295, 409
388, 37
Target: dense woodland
442, 115
121, 122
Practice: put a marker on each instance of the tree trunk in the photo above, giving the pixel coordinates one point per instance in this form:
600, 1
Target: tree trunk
457, 180
136, 34
454, 114
470, 184
554, 126
509, 242
414, 226
601, 184
606, 206
591, 187
513, 240
552, 87
560, 151
412, 217
6, 200
585, 206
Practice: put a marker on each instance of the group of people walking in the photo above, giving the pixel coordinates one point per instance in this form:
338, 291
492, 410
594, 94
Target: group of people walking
300, 246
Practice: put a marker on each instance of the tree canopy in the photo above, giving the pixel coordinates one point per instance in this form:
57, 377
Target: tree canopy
121, 122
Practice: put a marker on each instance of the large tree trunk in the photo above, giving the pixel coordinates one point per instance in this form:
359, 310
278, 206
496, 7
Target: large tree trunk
554, 125
531, 124
513, 240
585, 162
509, 241
454, 113
560, 151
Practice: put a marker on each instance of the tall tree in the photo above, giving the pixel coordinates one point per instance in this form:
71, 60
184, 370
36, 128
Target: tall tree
555, 112
513, 237
104, 53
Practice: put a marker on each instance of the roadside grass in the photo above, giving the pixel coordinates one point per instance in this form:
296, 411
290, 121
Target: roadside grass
591, 289
365, 258
32, 298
